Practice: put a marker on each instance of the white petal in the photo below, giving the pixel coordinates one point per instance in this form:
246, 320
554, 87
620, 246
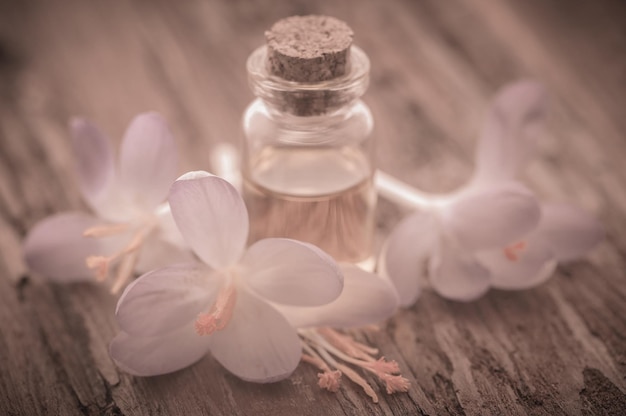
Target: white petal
458, 276
570, 231
258, 344
163, 300
510, 132
148, 161
157, 253
366, 299
167, 226
55, 247
527, 267
211, 216
491, 217
404, 256
95, 163
291, 272
151, 356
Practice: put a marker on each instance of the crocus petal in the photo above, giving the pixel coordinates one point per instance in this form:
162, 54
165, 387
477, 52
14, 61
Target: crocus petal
291, 272
56, 248
95, 166
148, 161
211, 216
366, 299
491, 217
405, 253
157, 253
531, 264
167, 226
258, 344
458, 276
569, 230
151, 356
163, 300
510, 131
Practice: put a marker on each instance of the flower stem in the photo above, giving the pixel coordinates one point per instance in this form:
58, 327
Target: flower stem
403, 194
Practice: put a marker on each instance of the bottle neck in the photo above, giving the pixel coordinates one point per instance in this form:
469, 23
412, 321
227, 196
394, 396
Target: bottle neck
295, 99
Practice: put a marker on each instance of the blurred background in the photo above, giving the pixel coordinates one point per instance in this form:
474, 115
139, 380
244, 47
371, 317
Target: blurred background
435, 68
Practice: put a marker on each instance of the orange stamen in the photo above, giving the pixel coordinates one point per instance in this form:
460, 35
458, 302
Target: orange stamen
383, 366
126, 257
329, 380
105, 230
395, 383
352, 375
100, 264
512, 252
220, 313
124, 271
347, 344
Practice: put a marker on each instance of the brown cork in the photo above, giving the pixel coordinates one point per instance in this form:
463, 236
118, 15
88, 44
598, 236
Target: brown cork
309, 48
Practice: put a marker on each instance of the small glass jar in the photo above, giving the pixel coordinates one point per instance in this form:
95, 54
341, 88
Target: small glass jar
308, 159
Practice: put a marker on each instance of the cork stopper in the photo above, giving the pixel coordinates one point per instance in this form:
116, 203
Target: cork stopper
309, 49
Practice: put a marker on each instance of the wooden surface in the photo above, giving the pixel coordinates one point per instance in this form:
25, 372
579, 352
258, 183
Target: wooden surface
557, 349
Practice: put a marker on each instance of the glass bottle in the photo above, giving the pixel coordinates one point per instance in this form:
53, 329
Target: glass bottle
308, 159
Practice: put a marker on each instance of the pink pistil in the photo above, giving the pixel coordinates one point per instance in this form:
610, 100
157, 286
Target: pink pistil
395, 383
126, 257
106, 230
101, 266
347, 344
512, 252
220, 313
383, 366
329, 380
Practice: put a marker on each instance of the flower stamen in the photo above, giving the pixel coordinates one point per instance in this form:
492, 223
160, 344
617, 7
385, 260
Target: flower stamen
106, 230
126, 257
220, 313
100, 264
347, 344
512, 252
327, 379
395, 384
323, 345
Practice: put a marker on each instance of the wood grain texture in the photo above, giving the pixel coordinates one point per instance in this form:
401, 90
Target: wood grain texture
559, 349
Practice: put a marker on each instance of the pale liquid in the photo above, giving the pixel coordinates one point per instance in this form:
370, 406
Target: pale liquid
322, 196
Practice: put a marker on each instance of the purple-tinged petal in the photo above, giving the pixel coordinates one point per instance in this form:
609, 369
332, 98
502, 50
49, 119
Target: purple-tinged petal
55, 247
511, 129
258, 344
211, 216
570, 231
291, 272
404, 256
458, 276
166, 299
167, 226
148, 161
491, 217
521, 265
157, 253
151, 356
95, 164
366, 299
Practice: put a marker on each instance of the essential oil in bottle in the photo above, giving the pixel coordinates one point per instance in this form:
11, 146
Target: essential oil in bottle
308, 157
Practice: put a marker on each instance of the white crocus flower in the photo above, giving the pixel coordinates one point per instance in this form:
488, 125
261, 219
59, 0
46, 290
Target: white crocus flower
493, 232
173, 316
444, 235
366, 299
507, 143
132, 228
